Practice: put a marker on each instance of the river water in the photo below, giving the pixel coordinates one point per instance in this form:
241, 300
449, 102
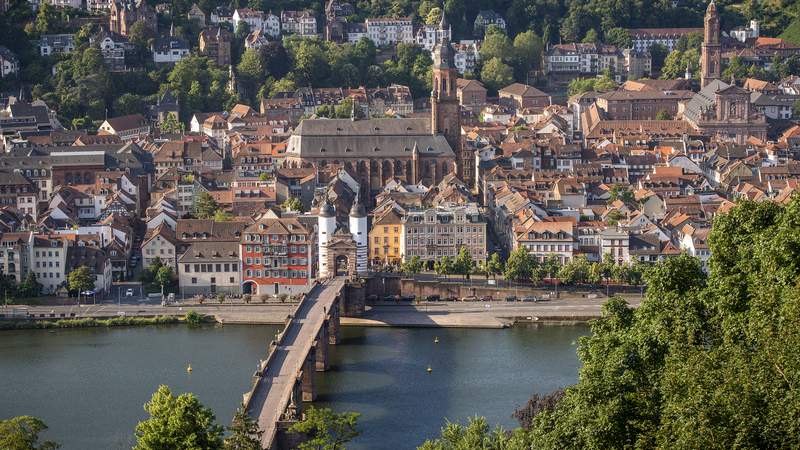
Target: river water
89, 385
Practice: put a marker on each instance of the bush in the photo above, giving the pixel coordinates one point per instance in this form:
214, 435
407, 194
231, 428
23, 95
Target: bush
193, 318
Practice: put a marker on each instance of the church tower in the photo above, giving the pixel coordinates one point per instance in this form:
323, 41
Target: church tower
710, 67
445, 110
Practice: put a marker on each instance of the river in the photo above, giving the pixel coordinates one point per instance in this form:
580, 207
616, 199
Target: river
89, 385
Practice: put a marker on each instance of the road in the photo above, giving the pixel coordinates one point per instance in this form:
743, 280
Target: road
274, 389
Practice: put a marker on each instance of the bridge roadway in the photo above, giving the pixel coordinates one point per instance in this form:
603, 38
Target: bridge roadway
273, 391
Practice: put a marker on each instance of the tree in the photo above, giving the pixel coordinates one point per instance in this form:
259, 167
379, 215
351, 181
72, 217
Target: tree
496, 45
30, 286
250, 70
528, 52
164, 277
244, 432
580, 85
443, 266
519, 265
434, 16
475, 435
620, 37
663, 115
412, 266
292, 204
621, 192
171, 124
205, 206
494, 265
177, 423
282, 85
463, 262
22, 433
657, 54
80, 279
222, 216
591, 37
496, 74
326, 429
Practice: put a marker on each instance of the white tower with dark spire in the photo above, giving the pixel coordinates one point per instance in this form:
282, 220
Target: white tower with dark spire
358, 228
326, 226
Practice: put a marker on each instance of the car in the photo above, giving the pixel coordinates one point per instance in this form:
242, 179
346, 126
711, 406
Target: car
372, 298
529, 298
432, 298
129, 292
408, 298
511, 298
486, 298
470, 298
541, 299
450, 299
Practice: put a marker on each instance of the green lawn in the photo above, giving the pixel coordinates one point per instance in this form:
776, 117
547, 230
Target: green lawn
792, 33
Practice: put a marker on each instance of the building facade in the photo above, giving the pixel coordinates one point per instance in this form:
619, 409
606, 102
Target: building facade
442, 231
277, 257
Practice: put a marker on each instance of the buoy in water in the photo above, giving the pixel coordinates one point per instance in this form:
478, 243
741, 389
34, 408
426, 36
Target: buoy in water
189, 369
436, 340
429, 369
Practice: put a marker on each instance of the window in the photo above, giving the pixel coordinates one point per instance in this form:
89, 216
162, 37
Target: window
231, 280
194, 280
187, 268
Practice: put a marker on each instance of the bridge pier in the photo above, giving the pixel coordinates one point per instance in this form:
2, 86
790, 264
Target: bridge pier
333, 322
321, 346
307, 381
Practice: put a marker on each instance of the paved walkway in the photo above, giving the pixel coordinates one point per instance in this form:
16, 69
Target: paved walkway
273, 390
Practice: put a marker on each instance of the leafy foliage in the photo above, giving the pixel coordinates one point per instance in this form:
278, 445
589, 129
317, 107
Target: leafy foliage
326, 429
244, 432
177, 423
22, 433
80, 279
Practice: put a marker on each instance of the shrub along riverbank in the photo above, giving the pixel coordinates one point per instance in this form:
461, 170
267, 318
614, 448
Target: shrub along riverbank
191, 318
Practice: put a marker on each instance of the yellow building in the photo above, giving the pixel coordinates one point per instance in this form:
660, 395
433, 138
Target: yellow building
386, 238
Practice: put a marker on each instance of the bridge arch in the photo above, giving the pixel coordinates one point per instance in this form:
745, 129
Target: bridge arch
250, 287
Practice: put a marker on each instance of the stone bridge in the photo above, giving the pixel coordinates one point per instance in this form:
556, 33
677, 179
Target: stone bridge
286, 378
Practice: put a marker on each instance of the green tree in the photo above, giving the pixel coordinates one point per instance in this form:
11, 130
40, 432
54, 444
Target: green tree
80, 279
128, 103
326, 429
663, 115
575, 271
619, 37
434, 16
528, 52
443, 266
621, 192
222, 216
412, 266
205, 206
475, 435
250, 70
591, 37
463, 262
497, 45
171, 125
494, 265
177, 423
292, 204
282, 85
496, 74
519, 265
580, 85
22, 433
244, 433
164, 277
658, 52
30, 286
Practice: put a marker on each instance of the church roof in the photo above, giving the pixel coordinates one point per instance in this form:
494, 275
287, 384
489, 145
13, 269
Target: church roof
331, 138
704, 100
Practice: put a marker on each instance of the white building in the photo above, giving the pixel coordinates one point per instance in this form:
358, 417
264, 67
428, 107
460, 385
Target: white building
390, 31
742, 34
429, 35
272, 25
98, 6
9, 64
466, 57
50, 44
48, 260
254, 19
644, 38
301, 23
615, 242
169, 50
77, 4
331, 241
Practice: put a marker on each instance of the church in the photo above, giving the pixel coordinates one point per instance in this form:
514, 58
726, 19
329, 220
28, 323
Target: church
721, 110
378, 150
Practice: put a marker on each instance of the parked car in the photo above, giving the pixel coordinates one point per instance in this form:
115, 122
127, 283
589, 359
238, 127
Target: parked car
487, 298
432, 298
129, 292
529, 298
542, 299
450, 299
408, 298
372, 298
511, 298
470, 298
